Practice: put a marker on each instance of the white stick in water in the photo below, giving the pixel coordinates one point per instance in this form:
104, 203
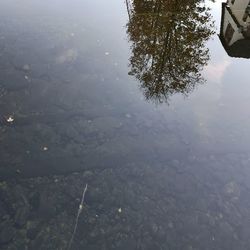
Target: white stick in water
78, 214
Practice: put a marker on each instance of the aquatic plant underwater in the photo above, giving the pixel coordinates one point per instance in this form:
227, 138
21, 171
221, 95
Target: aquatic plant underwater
77, 217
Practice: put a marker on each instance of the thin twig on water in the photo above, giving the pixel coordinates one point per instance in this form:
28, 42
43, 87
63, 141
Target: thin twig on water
77, 217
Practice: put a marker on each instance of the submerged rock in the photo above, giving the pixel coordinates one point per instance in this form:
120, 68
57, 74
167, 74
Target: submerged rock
7, 232
33, 230
21, 216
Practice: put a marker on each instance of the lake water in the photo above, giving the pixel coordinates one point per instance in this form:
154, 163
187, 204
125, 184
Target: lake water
139, 101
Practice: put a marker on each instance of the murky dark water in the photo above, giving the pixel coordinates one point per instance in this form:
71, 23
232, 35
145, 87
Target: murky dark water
140, 101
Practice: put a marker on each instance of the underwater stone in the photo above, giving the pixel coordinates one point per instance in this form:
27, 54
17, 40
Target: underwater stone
7, 232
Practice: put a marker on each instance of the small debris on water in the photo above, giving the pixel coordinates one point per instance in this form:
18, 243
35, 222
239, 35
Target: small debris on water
119, 210
106, 53
10, 119
45, 148
128, 115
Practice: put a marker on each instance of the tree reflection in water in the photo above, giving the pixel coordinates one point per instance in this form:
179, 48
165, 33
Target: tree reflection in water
168, 45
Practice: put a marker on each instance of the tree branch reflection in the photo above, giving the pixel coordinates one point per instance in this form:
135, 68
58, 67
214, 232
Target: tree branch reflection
168, 48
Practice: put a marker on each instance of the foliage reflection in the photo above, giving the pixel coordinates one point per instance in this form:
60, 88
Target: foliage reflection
168, 45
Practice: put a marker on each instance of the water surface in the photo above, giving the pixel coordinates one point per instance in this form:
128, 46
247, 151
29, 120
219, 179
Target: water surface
140, 101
